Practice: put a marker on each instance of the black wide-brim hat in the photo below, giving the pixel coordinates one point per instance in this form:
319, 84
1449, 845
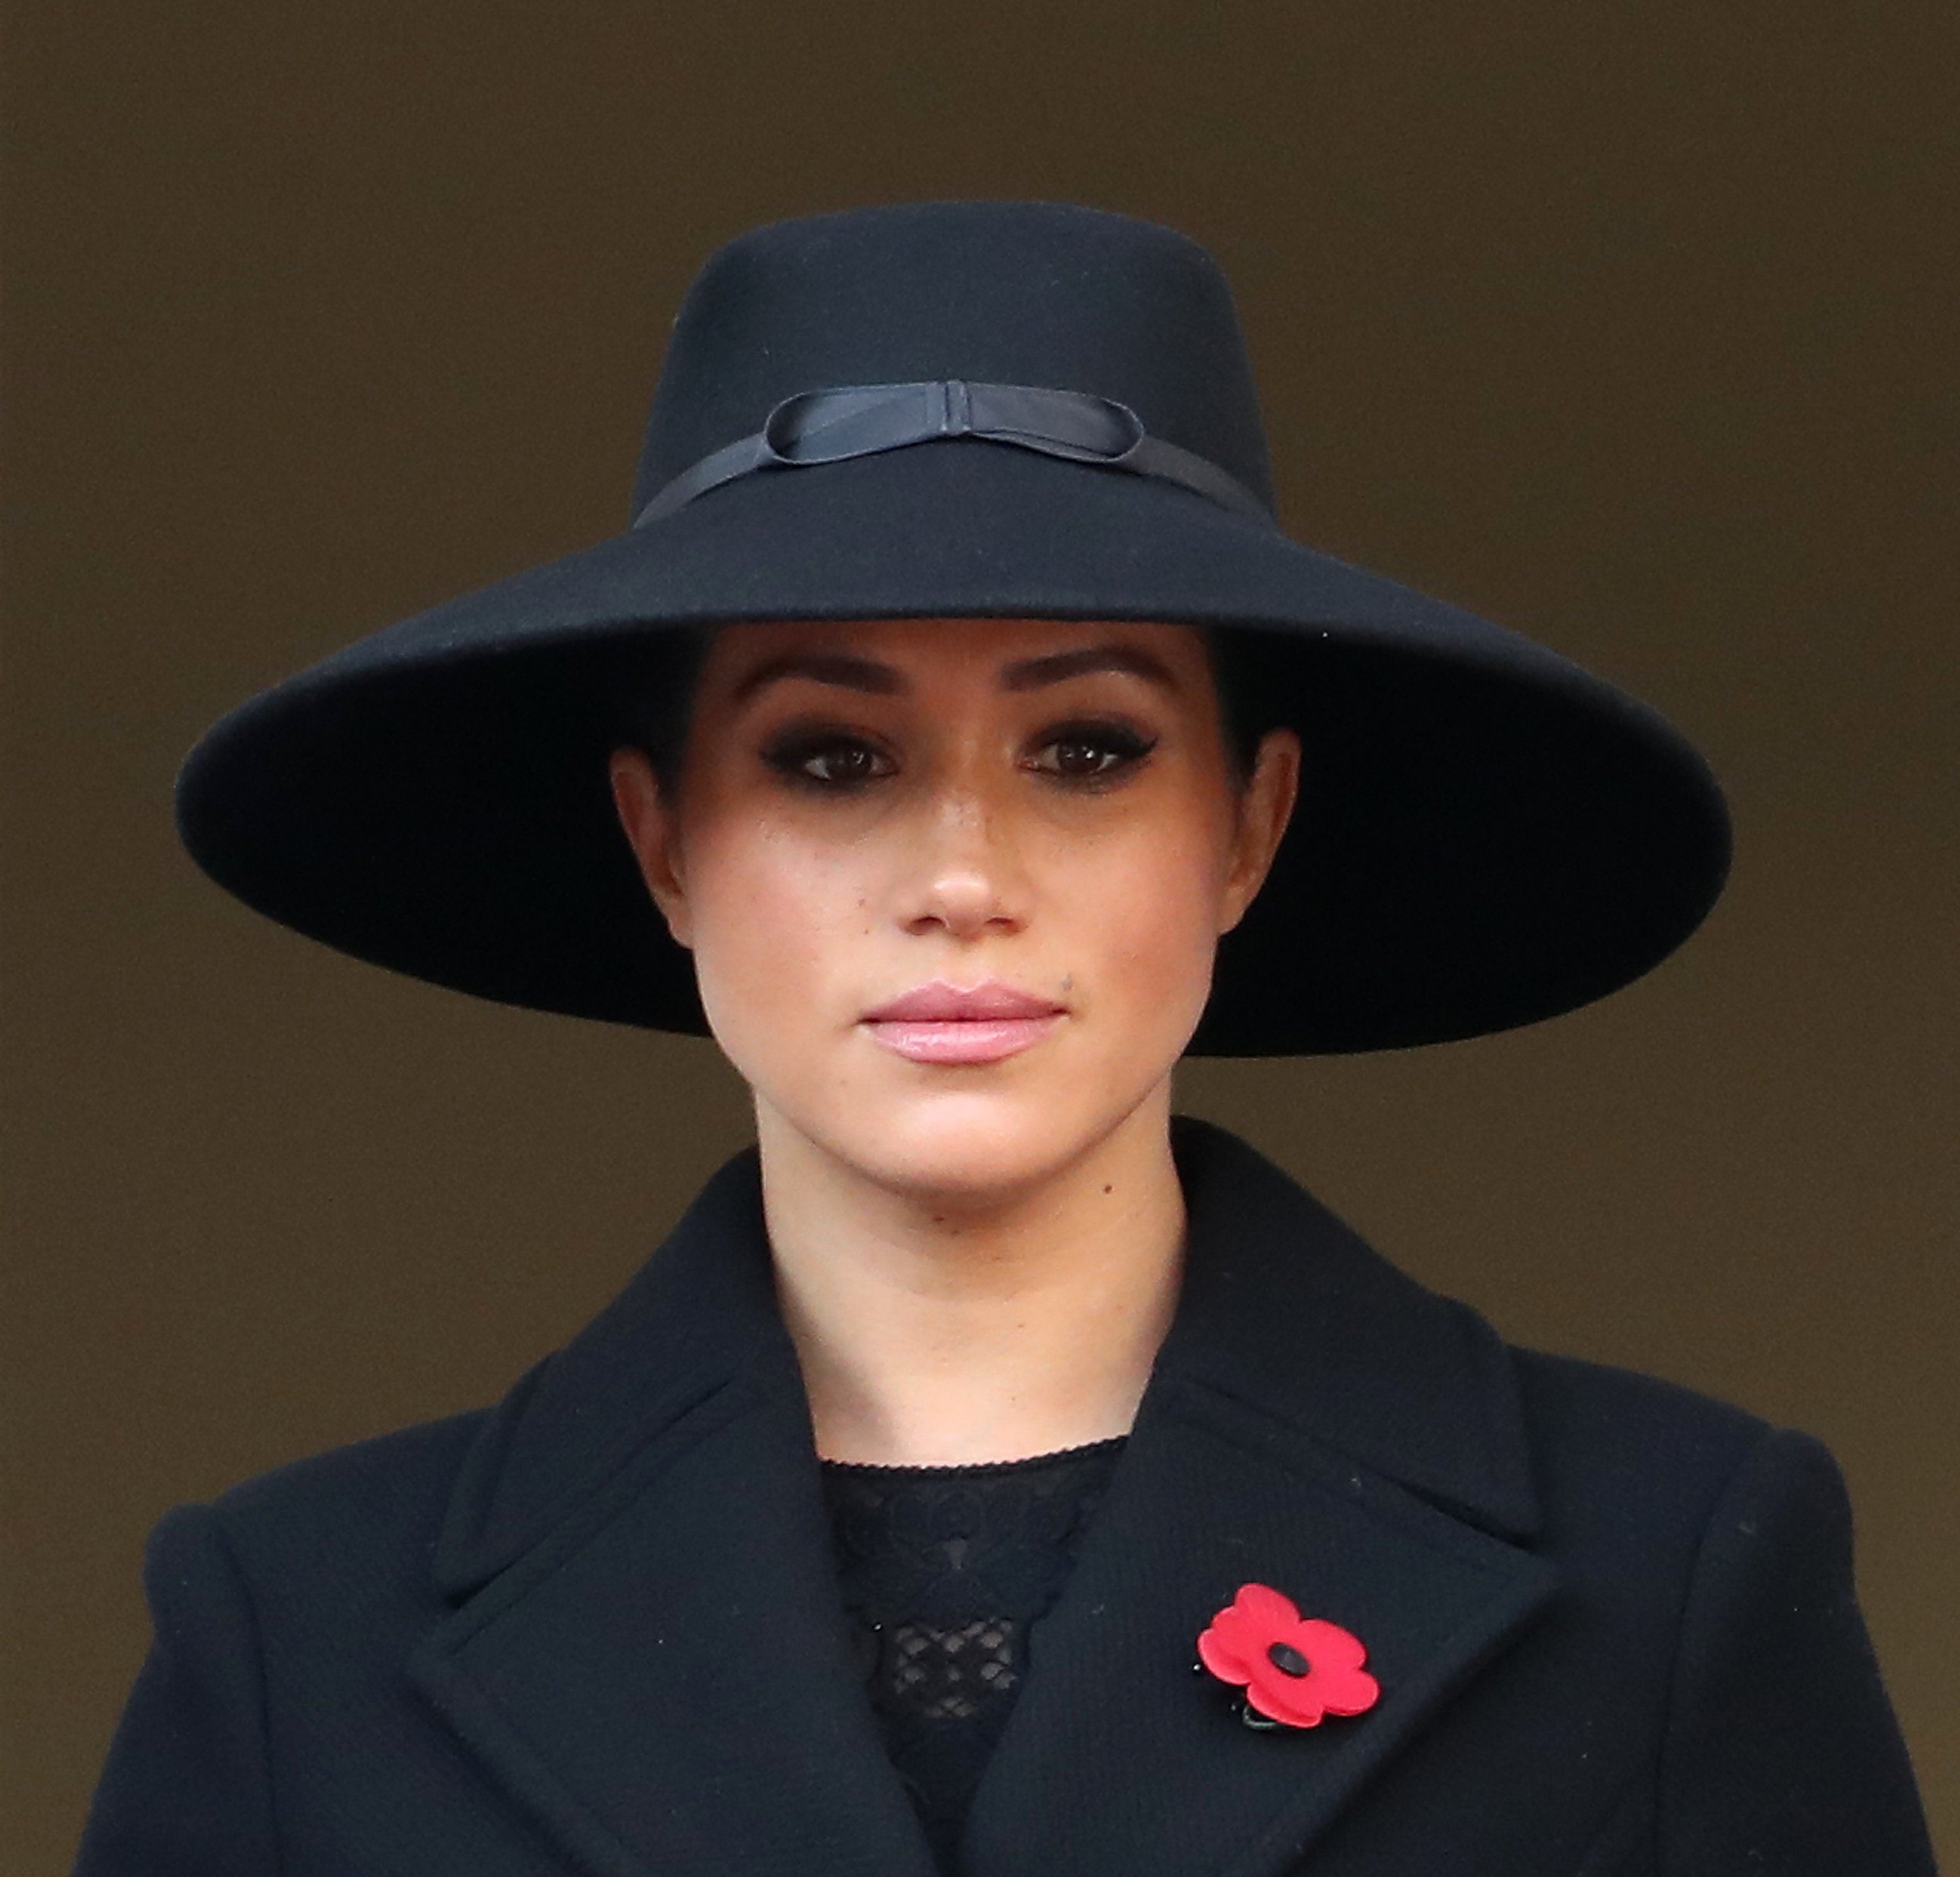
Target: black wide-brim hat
971, 411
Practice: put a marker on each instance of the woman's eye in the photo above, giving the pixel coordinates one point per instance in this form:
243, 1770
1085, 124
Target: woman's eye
829, 762
1088, 753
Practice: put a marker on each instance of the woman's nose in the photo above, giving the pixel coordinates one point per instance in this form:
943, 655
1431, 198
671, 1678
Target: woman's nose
967, 883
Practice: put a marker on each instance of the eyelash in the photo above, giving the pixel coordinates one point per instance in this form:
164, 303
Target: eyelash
1125, 748
1116, 750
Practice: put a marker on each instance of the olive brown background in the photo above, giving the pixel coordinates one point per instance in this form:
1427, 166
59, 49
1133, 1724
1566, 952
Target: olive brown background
1630, 324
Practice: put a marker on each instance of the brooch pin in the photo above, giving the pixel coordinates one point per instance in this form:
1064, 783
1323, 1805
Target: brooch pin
1294, 1669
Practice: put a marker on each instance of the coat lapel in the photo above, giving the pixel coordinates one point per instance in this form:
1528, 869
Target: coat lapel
647, 1653
1312, 1415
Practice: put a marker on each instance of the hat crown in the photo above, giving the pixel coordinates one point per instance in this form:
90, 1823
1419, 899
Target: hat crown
1009, 293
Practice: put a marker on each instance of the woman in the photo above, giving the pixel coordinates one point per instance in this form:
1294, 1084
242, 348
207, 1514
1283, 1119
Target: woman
989, 1475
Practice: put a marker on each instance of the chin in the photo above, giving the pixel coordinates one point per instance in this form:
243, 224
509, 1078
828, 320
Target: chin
973, 1144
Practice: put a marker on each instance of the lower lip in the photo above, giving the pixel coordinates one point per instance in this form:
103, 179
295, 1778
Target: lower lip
982, 1039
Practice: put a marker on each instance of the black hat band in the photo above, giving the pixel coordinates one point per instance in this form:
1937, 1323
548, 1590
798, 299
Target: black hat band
834, 425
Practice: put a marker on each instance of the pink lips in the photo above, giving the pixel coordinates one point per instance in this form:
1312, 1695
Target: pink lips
943, 1023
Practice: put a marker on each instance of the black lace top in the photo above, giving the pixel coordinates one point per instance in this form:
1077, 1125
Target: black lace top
944, 1570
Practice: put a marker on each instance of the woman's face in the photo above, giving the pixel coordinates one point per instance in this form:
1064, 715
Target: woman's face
952, 888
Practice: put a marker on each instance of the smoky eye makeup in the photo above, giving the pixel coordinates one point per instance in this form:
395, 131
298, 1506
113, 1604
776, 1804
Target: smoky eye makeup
827, 758
1095, 751
830, 756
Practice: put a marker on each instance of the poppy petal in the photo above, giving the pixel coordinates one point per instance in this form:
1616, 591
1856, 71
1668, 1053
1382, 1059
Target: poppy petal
1266, 1606
1352, 1692
1232, 1633
1292, 1703
1232, 1622
1218, 1654
1328, 1646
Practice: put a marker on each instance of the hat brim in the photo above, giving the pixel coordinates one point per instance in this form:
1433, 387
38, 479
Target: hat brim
1486, 834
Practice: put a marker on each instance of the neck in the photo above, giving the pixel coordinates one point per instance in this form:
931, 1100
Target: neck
938, 1330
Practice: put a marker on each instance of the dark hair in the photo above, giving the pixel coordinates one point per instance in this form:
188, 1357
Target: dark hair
659, 683
1248, 675
657, 686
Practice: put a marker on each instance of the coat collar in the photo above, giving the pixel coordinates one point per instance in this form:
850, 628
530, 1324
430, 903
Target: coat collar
646, 1650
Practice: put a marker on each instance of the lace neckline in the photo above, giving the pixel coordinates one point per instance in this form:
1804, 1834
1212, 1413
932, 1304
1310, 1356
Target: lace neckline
974, 1469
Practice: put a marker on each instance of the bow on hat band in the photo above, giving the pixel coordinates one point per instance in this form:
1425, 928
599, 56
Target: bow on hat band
834, 425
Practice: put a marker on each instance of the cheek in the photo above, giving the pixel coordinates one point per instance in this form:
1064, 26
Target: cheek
771, 917
1145, 912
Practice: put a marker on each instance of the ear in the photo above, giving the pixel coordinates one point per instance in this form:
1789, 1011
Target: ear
1265, 807
649, 824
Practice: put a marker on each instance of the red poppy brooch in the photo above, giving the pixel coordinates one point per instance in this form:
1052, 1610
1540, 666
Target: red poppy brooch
1294, 1669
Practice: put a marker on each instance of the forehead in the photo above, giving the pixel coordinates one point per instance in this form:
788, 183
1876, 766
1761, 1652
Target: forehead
926, 654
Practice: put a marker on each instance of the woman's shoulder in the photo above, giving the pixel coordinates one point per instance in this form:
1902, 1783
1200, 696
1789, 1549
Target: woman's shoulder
1633, 1451
356, 1514
1567, 1398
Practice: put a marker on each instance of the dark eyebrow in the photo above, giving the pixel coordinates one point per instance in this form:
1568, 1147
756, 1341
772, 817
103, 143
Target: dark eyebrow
1031, 674
838, 668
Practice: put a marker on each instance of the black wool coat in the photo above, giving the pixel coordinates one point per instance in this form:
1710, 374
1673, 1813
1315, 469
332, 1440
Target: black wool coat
596, 1629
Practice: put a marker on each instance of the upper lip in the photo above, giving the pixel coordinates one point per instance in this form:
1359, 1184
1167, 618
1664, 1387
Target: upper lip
938, 1003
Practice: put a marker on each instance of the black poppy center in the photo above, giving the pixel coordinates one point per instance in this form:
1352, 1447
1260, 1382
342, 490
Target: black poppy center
1286, 1658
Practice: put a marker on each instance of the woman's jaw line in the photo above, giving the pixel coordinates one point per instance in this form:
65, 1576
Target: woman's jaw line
966, 1155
